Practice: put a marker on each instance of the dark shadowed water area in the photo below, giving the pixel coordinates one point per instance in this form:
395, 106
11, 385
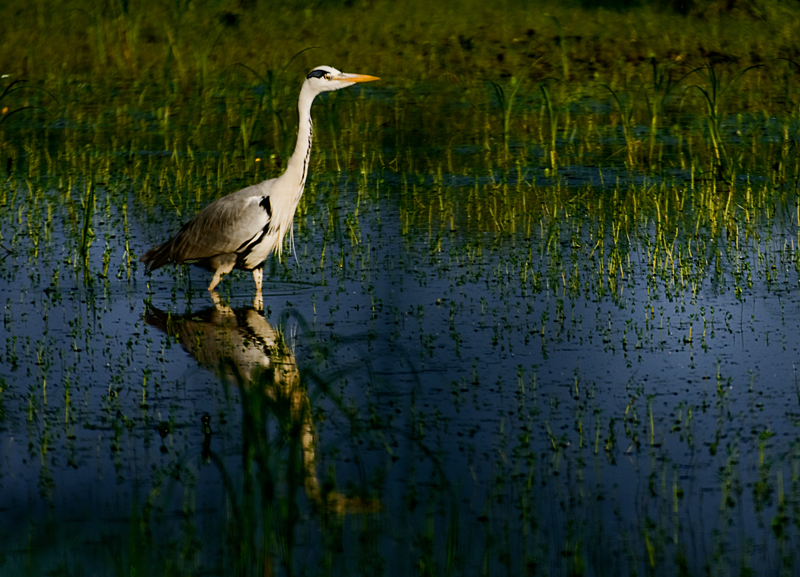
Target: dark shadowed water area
527, 370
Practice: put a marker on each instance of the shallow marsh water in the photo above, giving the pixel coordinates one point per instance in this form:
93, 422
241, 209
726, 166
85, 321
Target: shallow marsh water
500, 367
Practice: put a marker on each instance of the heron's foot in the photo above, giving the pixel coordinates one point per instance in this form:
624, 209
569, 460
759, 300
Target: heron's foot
335, 502
215, 281
222, 308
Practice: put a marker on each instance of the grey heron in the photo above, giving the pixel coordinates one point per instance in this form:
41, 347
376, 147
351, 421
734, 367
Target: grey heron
241, 229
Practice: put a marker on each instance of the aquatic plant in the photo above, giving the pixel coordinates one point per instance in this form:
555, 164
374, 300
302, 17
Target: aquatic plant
626, 107
714, 92
506, 103
5, 95
552, 117
656, 97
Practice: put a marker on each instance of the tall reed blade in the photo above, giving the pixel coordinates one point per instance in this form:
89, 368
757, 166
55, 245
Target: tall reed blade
87, 235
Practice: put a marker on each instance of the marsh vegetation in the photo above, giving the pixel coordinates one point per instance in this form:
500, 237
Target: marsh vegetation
541, 317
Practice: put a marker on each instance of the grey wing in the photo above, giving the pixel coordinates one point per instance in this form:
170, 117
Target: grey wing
225, 226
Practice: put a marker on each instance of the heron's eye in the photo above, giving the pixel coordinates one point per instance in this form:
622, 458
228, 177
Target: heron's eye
328, 76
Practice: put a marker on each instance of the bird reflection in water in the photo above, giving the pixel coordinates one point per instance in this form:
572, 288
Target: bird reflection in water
243, 349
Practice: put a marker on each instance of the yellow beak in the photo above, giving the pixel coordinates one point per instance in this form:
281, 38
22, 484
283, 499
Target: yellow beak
345, 77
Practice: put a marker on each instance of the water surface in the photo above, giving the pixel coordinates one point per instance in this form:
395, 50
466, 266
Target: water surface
587, 370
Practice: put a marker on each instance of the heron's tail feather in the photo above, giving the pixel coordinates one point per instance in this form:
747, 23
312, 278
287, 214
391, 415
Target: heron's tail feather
157, 257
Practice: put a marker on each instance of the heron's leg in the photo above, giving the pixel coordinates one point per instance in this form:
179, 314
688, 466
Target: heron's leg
223, 264
215, 281
217, 301
258, 276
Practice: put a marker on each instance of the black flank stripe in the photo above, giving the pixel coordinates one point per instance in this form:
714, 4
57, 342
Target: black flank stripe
265, 204
246, 248
248, 245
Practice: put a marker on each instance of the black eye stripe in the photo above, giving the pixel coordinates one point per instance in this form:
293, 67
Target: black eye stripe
317, 74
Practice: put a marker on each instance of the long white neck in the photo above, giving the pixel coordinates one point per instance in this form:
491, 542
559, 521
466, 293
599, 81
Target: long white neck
290, 184
286, 191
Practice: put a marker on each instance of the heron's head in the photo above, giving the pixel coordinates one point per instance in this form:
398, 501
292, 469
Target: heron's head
325, 78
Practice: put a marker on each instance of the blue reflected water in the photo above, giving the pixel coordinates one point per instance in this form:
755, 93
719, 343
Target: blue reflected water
522, 401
